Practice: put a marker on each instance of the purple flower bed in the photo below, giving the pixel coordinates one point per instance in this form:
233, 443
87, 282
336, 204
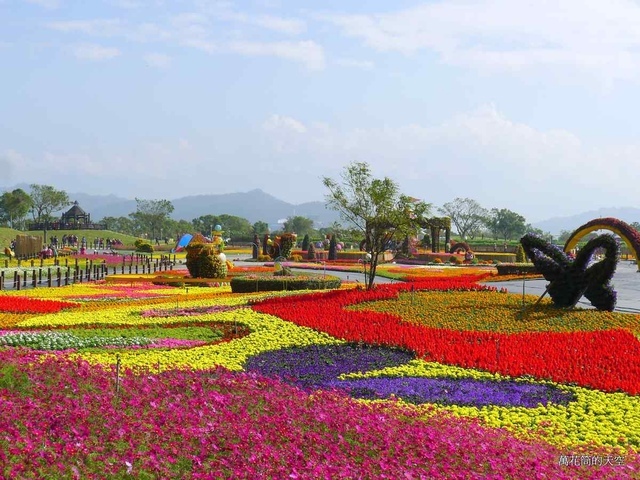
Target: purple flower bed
446, 391
318, 366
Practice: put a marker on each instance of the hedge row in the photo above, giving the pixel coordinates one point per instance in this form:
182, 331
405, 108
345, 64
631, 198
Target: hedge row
516, 268
270, 283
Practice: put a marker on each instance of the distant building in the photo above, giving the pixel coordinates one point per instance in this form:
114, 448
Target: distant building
73, 219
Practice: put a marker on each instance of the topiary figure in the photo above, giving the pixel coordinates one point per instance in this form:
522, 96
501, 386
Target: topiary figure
333, 251
265, 244
570, 279
211, 266
286, 242
521, 256
305, 243
256, 247
311, 252
193, 253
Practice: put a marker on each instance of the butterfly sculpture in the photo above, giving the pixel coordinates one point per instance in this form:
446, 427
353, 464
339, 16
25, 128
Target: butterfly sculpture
569, 279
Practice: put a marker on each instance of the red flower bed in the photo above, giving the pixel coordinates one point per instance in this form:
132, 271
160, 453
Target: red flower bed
606, 360
32, 305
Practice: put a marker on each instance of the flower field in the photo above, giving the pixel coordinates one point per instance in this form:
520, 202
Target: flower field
437, 377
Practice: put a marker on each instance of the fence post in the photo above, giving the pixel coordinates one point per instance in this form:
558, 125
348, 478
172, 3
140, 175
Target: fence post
1, 280
18, 282
33, 279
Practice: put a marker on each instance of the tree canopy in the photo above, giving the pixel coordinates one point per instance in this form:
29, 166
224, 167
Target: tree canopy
151, 215
298, 224
45, 200
14, 207
376, 208
506, 224
467, 215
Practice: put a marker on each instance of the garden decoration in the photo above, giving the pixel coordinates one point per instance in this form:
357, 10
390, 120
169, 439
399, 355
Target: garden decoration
570, 278
629, 234
282, 245
458, 247
207, 260
436, 224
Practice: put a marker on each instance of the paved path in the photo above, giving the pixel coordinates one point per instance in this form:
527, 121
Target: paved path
626, 282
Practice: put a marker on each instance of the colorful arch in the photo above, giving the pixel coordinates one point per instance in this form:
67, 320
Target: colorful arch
629, 235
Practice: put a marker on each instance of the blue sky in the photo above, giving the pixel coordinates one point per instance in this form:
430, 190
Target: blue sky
524, 105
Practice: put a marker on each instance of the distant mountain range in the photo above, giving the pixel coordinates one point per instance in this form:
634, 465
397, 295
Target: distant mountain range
257, 205
570, 223
254, 205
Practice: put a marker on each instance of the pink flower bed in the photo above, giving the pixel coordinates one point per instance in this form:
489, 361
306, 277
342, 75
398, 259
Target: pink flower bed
64, 420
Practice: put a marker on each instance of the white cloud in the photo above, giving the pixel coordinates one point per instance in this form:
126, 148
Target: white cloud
157, 60
9, 161
96, 27
306, 52
93, 52
479, 154
48, 4
502, 34
126, 4
353, 63
79, 163
290, 26
283, 123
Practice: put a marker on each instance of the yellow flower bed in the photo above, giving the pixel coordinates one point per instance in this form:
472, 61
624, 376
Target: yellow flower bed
268, 333
493, 311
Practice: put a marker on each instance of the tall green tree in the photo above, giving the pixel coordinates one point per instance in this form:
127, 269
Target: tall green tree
376, 208
467, 215
260, 227
45, 200
150, 215
298, 224
506, 224
233, 226
14, 207
120, 225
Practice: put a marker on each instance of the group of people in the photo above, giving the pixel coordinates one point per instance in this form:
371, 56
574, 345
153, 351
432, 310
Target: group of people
49, 251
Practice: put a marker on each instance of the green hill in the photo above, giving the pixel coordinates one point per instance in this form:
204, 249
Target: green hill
8, 234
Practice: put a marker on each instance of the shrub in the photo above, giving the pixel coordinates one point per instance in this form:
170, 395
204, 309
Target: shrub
143, 246
268, 283
437, 260
455, 260
521, 256
305, 242
333, 248
296, 258
516, 268
264, 258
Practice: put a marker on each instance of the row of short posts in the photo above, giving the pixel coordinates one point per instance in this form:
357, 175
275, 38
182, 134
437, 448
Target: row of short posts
53, 276
77, 274
149, 265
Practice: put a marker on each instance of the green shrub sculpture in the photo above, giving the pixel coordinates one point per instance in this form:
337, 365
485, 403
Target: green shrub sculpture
571, 279
204, 262
143, 246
